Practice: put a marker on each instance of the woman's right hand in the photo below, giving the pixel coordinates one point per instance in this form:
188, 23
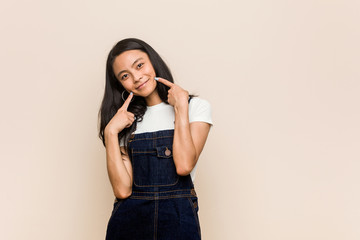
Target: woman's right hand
122, 119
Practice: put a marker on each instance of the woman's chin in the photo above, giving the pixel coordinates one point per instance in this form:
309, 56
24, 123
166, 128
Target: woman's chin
146, 92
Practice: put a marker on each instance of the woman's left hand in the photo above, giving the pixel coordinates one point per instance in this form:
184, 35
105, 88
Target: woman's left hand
177, 96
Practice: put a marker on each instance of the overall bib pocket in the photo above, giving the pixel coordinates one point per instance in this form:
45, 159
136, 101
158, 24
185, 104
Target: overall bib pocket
154, 167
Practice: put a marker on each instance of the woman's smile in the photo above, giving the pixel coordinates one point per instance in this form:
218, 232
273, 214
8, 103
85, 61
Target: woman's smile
142, 85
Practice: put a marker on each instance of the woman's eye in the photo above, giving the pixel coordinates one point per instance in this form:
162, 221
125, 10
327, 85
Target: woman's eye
140, 65
124, 76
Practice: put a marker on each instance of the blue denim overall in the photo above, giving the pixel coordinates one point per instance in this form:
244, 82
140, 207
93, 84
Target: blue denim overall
163, 205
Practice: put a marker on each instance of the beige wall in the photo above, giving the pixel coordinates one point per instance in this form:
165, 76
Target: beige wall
282, 160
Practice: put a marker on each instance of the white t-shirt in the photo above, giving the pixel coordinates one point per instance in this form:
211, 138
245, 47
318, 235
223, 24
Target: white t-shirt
162, 116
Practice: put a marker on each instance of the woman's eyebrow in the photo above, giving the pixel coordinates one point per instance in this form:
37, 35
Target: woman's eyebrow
136, 61
132, 65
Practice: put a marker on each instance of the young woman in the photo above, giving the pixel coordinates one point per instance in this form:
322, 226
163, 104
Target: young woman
153, 132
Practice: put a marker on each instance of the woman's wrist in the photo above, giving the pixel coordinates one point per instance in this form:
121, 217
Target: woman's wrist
182, 114
110, 132
182, 107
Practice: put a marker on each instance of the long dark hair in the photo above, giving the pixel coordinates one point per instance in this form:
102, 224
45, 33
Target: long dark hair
112, 100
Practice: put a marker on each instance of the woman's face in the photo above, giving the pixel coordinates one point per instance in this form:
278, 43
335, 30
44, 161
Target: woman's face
135, 72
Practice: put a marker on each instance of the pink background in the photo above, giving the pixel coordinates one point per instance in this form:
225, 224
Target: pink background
282, 160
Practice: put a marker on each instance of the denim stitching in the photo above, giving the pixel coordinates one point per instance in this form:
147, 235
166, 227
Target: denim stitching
187, 189
155, 219
172, 184
138, 139
195, 215
158, 152
162, 197
145, 152
116, 207
161, 154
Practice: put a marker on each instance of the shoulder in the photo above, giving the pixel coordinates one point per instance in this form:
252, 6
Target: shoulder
199, 110
197, 102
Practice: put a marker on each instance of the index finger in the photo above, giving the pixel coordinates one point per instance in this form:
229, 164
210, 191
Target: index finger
127, 101
165, 82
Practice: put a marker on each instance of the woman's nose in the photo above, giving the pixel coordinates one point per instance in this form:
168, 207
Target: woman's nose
137, 77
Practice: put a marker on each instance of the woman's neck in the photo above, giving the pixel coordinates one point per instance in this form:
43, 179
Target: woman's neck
153, 98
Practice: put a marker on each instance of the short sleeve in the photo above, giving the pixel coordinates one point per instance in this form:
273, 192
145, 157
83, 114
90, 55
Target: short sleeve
200, 111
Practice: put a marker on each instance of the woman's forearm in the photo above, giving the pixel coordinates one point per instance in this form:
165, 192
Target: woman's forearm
184, 152
119, 176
